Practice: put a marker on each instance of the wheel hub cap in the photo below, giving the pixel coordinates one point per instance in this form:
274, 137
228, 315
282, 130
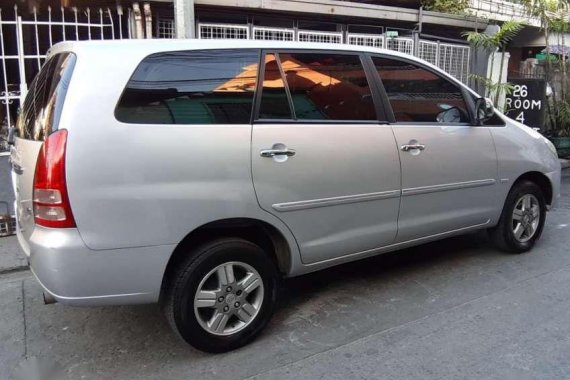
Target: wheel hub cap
228, 298
526, 218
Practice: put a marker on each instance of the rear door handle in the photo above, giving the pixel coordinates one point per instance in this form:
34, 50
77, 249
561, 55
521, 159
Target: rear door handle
277, 152
408, 147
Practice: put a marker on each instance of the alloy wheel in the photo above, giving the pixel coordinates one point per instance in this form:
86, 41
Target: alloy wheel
228, 298
526, 218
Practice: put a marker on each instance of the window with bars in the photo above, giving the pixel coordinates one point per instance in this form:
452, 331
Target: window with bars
223, 31
274, 34
427, 51
322, 37
366, 40
400, 44
165, 28
452, 58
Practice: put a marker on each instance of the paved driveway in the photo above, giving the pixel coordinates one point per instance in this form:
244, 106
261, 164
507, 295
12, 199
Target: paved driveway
451, 309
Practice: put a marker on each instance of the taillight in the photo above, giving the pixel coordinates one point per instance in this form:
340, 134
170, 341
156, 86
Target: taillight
51, 202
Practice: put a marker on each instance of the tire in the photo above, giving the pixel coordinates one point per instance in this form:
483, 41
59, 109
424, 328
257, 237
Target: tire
504, 235
212, 321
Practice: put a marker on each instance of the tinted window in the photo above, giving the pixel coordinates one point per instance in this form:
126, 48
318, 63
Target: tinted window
274, 101
42, 107
419, 95
328, 86
191, 87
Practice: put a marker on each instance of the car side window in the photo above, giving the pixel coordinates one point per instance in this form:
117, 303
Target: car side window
274, 101
419, 95
191, 87
322, 86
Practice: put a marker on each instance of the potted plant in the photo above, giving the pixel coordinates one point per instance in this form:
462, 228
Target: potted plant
559, 128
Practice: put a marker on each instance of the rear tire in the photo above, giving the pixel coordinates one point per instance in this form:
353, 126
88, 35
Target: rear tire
223, 295
522, 220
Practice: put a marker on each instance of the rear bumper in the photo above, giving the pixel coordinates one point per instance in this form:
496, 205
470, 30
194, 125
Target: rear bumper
76, 275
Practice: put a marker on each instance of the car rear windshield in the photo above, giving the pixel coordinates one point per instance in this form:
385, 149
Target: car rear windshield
191, 87
41, 111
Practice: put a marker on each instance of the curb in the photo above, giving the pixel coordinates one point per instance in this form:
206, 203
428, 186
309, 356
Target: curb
21, 268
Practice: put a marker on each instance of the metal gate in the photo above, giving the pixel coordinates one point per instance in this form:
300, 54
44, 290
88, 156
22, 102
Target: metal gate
451, 58
26, 37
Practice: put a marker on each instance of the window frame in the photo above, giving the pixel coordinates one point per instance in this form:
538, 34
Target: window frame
388, 106
381, 115
258, 51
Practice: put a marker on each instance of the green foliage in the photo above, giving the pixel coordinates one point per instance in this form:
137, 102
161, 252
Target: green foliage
493, 87
491, 43
559, 120
559, 24
544, 10
496, 41
446, 6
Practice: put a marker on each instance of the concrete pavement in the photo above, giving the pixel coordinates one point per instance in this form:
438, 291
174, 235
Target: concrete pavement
451, 309
11, 258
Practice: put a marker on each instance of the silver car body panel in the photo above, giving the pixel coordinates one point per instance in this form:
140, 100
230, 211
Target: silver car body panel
331, 194
458, 163
137, 190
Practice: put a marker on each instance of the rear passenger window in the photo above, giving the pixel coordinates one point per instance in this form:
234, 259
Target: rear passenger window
322, 87
419, 95
191, 87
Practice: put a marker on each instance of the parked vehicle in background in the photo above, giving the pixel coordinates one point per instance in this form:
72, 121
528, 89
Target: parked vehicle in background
198, 173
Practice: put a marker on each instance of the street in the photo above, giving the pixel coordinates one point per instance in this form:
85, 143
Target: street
451, 309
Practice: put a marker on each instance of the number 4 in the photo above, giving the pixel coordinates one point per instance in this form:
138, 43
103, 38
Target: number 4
520, 117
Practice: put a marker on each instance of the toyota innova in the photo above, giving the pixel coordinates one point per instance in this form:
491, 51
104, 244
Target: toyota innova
196, 174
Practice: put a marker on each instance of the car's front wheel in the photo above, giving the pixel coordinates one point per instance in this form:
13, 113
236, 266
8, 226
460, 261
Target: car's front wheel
223, 295
522, 220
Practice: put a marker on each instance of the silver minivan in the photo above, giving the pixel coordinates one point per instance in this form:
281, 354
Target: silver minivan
197, 173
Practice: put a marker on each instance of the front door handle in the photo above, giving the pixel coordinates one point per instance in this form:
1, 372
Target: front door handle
408, 147
277, 152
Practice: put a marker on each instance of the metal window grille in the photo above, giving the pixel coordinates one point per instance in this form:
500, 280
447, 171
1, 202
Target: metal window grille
165, 28
428, 51
24, 41
322, 37
366, 40
226, 31
401, 44
275, 34
454, 59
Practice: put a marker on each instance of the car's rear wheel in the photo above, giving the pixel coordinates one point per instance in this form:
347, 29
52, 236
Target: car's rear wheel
223, 295
522, 219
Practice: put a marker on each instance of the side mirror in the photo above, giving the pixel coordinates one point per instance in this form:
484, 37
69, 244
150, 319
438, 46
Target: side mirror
484, 110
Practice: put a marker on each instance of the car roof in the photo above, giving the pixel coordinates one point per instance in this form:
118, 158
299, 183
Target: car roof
150, 46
